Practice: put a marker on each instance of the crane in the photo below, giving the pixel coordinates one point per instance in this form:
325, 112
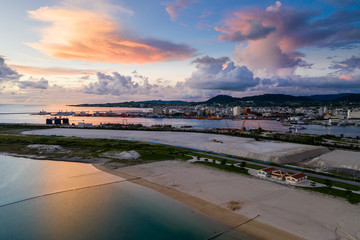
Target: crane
226, 123
243, 126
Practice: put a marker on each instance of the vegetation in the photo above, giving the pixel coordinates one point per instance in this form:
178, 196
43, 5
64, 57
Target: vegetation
80, 149
335, 184
346, 194
225, 167
18, 128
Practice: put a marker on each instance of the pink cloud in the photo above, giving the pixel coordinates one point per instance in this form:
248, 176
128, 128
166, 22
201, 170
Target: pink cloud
52, 70
172, 8
349, 77
274, 35
95, 37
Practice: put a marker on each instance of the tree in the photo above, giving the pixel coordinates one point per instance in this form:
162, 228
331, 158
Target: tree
243, 164
348, 191
328, 183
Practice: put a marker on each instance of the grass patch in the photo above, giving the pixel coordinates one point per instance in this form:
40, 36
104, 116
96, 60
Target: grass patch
225, 167
248, 165
334, 183
348, 195
18, 128
90, 148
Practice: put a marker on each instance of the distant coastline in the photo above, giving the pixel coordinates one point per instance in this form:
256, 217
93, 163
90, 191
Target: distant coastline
259, 100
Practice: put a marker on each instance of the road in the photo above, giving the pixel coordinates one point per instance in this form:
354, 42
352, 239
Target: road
335, 179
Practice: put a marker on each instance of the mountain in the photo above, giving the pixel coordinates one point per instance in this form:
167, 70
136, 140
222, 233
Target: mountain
327, 97
145, 104
163, 102
222, 99
275, 98
263, 100
353, 97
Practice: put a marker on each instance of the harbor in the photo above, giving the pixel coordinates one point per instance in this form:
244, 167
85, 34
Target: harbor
21, 114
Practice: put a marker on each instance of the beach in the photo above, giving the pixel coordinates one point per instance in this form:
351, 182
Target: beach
285, 212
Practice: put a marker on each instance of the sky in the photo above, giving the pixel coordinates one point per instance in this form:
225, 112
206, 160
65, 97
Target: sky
80, 51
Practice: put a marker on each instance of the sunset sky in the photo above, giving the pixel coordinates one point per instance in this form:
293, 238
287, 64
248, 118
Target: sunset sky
81, 51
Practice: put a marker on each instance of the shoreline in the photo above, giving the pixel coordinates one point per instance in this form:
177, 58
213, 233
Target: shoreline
254, 228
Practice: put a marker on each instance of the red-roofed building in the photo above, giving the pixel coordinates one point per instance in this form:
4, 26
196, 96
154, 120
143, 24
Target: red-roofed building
265, 172
278, 175
295, 178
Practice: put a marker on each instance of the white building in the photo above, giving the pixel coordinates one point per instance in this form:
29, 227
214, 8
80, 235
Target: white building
354, 114
236, 111
296, 178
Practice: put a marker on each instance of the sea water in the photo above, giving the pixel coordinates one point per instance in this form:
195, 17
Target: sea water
77, 201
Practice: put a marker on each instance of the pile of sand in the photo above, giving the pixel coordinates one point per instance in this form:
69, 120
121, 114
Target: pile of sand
46, 148
130, 155
337, 161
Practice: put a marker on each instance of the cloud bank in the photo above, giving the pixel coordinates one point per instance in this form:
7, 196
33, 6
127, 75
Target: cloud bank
95, 37
41, 84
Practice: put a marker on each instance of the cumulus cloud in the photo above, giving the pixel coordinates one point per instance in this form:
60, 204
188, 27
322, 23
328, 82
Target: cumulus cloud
173, 8
94, 36
140, 88
41, 84
274, 35
222, 74
114, 84
7, 73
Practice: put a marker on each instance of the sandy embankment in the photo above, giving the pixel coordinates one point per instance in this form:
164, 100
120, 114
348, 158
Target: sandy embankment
278, 152
337, 159
283, 210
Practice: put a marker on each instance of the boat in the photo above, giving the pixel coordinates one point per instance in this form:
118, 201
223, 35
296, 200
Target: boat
61, 113
326, 124
297, 127
43, 112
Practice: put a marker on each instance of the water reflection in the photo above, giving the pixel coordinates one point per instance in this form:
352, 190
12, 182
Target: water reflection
22, 178
114, 211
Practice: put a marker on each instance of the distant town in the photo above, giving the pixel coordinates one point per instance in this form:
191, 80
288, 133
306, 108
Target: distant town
326, 110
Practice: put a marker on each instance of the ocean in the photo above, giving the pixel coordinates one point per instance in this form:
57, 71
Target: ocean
12, 113
62, 200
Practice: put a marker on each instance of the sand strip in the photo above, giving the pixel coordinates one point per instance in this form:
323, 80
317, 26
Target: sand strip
254, 228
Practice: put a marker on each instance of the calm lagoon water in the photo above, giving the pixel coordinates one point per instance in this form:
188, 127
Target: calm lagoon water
113, 211
20, 114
